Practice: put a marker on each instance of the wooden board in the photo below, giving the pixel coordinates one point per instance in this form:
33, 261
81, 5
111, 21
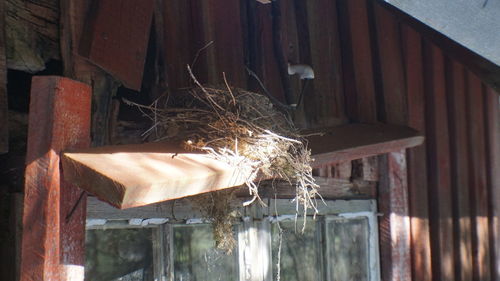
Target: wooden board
354, 141
395, 224
116, 38
479, 194
4, 120
135, 175
492, 104
460, 168
54, 229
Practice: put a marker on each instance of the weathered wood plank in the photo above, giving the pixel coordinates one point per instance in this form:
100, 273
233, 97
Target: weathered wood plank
4, 107
395, 223
330, 188
326, 105
116, 38
178, 47
72, 23
223, 26
492, 104
135, 175
354, 141
416, 157
393, 189
460, 170
32, 34
184, 209
391, 65
59, 119
362, 61
478, 187
440, 193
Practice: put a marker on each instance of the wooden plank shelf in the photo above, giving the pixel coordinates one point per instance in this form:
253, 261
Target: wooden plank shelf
135, 175
355, 141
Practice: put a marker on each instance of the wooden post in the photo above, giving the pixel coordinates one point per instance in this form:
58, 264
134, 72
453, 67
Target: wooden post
394, 234
54, 216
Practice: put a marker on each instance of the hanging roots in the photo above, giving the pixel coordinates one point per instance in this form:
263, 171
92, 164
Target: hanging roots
242, 129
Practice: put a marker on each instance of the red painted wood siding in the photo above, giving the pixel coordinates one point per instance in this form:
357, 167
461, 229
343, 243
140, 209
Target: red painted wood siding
371, 66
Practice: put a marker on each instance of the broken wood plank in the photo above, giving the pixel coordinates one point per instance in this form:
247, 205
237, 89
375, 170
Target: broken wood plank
355, 141
116, 38
59, 118
135, 175
4, 120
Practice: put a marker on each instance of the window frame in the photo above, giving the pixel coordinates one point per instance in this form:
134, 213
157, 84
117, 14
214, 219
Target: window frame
254, 235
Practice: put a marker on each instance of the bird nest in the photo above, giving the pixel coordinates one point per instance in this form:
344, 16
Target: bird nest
243, 129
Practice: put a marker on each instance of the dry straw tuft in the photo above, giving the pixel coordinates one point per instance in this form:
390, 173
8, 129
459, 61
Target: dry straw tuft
243, 129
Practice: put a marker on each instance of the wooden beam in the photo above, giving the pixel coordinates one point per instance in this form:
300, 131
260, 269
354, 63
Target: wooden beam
330, 188
354, 141
135, 175
4, 120
395, 222
184, 209
54, 216
116, 38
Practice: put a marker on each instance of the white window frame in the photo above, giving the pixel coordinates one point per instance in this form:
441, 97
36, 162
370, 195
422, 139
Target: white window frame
254, 234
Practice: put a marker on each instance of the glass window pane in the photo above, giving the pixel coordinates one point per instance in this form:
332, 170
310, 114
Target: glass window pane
348, 249
119, 255
299, 259
197, 259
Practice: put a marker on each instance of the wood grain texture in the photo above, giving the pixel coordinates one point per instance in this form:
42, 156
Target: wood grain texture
416, 157
492, 117
478, 187
460, 167
325, 102
135, 175
354, 141
104, 87
116, 37
4, 106
32, 34
440, 193
362, 59
391, 66
52, 247
395, 257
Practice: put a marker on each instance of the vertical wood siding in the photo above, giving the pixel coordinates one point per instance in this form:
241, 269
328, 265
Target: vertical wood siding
370, 67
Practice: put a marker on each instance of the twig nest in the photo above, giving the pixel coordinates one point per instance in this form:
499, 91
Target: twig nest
243, 129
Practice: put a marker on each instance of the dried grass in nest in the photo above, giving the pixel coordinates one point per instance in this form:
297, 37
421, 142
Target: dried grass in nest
216, 206
242, 129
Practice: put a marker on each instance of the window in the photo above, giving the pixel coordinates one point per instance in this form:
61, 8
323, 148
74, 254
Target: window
340, 244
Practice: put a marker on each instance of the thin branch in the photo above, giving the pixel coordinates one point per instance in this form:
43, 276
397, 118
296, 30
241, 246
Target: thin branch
199, 51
